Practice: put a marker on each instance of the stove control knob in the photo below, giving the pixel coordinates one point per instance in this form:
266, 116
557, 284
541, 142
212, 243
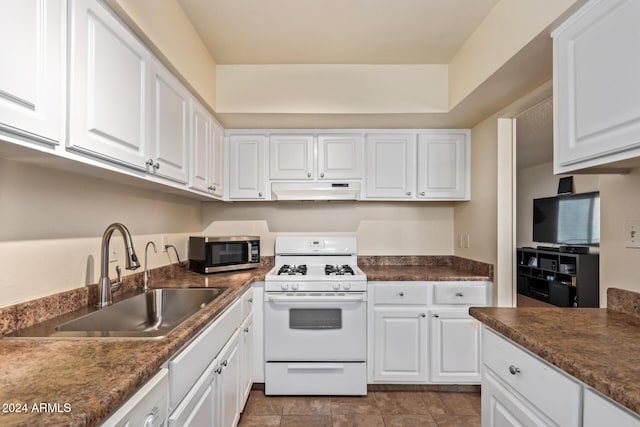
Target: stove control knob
284, 286
347, 286
336, 286
294, 286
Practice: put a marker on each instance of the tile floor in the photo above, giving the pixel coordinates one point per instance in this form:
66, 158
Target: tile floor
377, 409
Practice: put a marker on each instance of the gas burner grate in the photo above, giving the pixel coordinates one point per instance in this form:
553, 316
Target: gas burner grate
293, 270
336, 270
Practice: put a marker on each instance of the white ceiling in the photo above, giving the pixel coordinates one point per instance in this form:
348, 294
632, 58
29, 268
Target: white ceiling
335, 31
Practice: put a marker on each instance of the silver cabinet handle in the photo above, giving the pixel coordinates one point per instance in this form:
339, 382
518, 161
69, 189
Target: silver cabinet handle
436, 315
156, 166
423, 315
149, 162
260, 194
219, 371
401, 294
322, 175
246, 330
211, 188
408, 193
250, 299
514, 370
308, 174
459, 294
225, 363
422, 193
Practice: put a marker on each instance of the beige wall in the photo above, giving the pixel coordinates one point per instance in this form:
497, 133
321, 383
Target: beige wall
382, 228
52, 224
539, 181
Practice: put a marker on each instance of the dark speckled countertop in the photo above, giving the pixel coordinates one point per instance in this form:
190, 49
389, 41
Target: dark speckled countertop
93, 376
598, 346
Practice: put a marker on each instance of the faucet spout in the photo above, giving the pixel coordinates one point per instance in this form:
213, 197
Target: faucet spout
105, 297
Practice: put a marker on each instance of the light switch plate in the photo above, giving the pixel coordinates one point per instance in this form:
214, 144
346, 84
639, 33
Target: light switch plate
632, 233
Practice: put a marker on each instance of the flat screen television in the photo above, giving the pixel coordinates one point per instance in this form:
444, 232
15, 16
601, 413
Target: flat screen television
568, 220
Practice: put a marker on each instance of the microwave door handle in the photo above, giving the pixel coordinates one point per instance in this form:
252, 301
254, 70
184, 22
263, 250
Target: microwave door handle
249, 247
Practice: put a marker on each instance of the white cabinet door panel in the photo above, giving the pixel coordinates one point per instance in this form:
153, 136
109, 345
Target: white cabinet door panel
601, 411
400, 346
201, 145
230, 382
340, 156
170, 126
596, 85
455, 347
246, 155
442, 166
291, 157
217, 160
391, 166
110, 87
32, 68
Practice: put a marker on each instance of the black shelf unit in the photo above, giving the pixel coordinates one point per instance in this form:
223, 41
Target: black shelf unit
559, 278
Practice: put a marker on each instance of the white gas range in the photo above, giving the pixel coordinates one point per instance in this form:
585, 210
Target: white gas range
315, 318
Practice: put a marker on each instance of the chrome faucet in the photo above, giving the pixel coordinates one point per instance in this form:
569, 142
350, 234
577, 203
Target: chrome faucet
105, 297
145, 275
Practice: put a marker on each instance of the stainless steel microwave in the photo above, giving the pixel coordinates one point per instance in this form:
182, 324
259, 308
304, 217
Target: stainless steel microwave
215, 254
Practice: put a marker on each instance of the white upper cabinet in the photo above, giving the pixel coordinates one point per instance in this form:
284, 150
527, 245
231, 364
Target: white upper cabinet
307, 157
169, 153
110, 87
207, 140
291, 157
391, 166
340, 157
443, 165
246, 169
32, 78
597, 86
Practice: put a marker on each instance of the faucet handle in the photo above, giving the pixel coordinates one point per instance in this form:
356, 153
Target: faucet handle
115, 286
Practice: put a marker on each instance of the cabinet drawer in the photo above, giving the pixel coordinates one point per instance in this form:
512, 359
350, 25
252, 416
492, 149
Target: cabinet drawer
315, 378
247, 303
402, 293
553, 393
190, 363
460, 293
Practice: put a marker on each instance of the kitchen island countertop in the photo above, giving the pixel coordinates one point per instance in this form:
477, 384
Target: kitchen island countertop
598, 346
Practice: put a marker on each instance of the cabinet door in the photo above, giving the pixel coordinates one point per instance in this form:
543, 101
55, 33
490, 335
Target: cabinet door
442, 166
597, 86
291, 157
400, 344
217, 160
230, 382
170, 148
391, 163
31, 68
455, 347
110, 87
601, 411
340, 156
246, 346
246, 169
201, 148
501, 407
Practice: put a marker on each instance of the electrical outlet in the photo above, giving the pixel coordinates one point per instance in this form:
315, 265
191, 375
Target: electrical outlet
466, 240
632, 233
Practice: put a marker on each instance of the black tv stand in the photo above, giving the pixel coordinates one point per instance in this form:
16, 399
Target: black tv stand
548, 248
558, 278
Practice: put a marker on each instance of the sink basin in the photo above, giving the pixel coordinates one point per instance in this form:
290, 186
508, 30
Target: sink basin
149, 315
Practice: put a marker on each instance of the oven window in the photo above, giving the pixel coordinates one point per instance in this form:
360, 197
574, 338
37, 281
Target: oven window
227, 253
315, 318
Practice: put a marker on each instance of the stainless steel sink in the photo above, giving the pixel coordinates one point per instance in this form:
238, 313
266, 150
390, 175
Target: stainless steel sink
152, 314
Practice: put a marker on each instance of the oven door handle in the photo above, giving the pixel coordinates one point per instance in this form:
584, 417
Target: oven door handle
295, 298
316, 367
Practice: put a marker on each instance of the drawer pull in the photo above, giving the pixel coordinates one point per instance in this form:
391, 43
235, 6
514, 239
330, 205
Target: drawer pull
459, 294
423, 315
514, 370
436, 315
401, 294
250, 299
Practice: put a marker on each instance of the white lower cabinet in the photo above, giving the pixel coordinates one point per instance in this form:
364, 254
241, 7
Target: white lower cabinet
602, 411
421, 332
210, 377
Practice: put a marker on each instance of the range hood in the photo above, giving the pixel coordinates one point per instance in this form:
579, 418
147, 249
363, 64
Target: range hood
315, 191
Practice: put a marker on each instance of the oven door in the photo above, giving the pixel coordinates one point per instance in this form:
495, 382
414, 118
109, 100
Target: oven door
315, 326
